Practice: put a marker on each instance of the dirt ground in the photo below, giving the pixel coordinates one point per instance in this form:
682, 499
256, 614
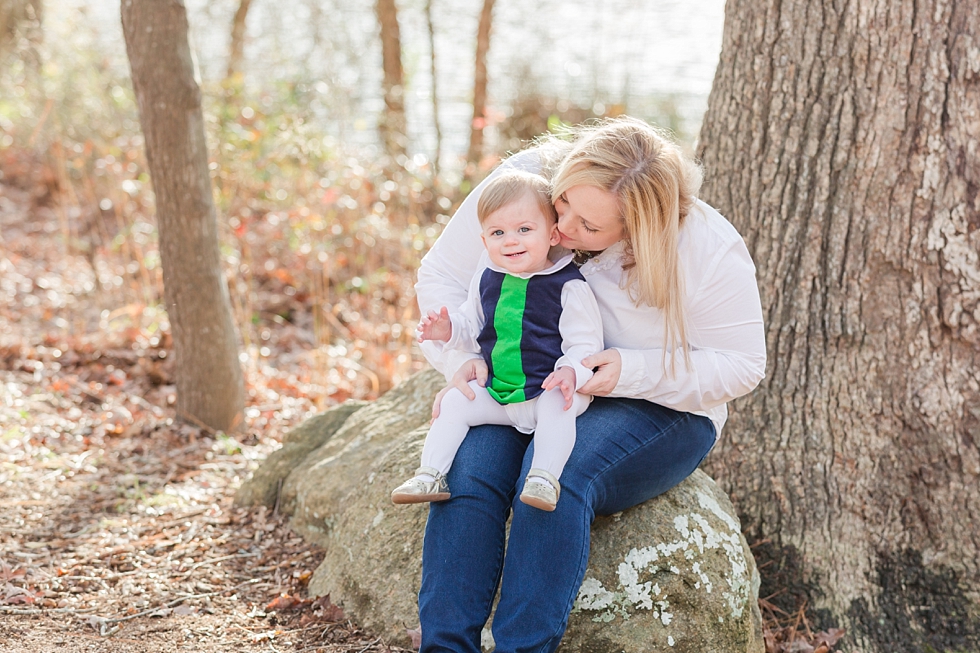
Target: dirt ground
117, 530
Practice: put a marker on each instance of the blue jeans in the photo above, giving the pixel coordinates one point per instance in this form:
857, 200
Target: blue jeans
627, 451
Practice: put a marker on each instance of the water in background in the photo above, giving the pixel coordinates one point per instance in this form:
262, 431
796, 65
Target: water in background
628, 53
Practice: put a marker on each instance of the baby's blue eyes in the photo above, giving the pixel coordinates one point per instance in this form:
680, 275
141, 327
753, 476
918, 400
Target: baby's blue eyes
524, 230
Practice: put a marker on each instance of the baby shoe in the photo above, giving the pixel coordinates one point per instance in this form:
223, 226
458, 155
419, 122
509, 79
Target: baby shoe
417, 490
541, 495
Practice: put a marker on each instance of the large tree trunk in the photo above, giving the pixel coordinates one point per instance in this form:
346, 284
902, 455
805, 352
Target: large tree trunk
393, 125
842, 140
210, 389
480, 85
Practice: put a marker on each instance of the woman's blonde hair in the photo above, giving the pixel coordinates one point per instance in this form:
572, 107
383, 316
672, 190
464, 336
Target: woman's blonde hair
656, 185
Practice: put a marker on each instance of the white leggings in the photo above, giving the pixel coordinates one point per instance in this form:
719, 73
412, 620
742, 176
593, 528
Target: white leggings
554, 427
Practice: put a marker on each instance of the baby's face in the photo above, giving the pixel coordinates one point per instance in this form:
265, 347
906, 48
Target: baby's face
518, 236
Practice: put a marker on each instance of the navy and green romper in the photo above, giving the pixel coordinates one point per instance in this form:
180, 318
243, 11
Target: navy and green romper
520, 341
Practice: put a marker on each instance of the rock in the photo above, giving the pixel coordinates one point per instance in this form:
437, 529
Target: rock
372, 566
673, 574
264, 486
344, 467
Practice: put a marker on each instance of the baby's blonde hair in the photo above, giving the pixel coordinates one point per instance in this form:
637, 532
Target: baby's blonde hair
656, 185
511, 186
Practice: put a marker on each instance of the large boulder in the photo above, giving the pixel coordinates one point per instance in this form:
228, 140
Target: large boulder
672, 574
264, 487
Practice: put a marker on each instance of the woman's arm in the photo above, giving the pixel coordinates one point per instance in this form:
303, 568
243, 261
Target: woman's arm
728, 348
467, 323
448, 267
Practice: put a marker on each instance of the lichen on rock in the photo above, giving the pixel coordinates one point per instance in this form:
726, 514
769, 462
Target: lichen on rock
688, 582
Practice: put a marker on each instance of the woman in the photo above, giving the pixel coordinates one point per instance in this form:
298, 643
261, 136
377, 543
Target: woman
682, 327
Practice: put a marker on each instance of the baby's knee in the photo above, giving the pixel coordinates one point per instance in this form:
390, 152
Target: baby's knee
454, 398
552, 402
552, 397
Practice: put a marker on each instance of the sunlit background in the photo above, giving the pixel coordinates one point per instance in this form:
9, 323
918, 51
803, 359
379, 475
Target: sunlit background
650, 58
321, 236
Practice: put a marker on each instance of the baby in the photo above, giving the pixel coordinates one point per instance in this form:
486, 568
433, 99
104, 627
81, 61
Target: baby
533, 321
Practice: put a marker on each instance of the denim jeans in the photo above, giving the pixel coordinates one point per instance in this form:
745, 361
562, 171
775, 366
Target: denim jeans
627, 451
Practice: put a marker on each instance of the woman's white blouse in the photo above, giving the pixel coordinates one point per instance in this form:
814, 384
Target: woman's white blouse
723, 311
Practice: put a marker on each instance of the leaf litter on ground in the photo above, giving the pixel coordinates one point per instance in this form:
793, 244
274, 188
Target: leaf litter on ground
116, 521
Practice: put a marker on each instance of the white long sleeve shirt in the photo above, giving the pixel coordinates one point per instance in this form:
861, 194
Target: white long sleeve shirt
721, 302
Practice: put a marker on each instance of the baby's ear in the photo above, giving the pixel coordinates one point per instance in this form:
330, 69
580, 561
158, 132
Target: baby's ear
555, 236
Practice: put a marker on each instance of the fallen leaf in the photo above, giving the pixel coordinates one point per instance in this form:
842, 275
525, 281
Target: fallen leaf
7, 573
267, 635
282, 603
416, 636
829, 637
328, 611
14, 595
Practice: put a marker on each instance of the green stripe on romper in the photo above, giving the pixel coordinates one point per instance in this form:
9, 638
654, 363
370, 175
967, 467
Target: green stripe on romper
508, 321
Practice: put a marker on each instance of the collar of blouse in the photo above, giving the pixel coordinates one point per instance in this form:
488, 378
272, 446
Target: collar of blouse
599, 261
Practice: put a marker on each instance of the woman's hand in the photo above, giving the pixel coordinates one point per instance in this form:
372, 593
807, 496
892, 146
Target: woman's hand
604, 381
474, 369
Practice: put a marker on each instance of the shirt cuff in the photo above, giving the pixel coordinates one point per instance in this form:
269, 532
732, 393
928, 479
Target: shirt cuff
458, 323
632, 374
582, 373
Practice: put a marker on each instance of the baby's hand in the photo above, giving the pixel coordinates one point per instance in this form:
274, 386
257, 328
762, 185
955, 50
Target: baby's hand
436, 326
564, 379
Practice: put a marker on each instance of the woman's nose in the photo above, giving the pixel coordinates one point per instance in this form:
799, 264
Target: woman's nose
564, 223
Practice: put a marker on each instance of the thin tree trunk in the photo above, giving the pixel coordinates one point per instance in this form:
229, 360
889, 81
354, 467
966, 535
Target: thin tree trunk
435, 91
393, 125
237, 50
22, 18
210, 389
12, 13
841, 139
475, 152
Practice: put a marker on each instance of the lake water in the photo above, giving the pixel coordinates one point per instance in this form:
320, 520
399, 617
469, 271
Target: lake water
625, 52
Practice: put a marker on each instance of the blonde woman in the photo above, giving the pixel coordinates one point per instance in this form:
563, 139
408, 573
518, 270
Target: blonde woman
682, 327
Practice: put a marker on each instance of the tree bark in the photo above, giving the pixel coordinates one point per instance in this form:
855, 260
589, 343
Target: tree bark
393, 125
237, 49
475, 152
210, 388
842, 141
